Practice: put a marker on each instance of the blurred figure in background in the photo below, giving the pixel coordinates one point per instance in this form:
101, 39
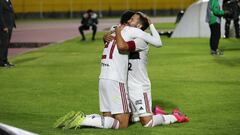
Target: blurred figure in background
214, 14
89, 19
7, 22
234, 8
179, 16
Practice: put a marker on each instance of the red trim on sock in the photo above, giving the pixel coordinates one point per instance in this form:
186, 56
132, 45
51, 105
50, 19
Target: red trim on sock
114, 124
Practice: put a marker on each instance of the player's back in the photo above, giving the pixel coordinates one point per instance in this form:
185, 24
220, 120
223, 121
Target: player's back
114, 65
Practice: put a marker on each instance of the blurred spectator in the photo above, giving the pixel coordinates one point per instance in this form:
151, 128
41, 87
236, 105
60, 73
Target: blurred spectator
179, 16
234, 7
89, 19
213, 18
7, 22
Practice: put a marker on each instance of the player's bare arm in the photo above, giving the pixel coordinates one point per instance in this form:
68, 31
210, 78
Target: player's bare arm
108, 37
139, 21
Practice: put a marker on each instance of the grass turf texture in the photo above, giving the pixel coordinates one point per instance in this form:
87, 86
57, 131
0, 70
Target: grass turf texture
165, 26
54, 80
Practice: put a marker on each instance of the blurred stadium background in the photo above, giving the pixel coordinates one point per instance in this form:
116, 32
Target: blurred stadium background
73, 8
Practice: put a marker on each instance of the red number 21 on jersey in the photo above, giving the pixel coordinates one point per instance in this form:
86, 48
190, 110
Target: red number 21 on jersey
110, 49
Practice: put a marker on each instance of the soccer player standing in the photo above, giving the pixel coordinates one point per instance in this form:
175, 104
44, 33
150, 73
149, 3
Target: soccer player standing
213, 18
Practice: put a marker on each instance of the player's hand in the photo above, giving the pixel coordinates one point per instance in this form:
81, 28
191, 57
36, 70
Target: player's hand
227, 13
5, 29
108, 37
119, 28
149, 20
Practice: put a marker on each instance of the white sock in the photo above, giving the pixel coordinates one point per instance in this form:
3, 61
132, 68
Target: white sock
149, 124
161, 120
169, 119
95, 120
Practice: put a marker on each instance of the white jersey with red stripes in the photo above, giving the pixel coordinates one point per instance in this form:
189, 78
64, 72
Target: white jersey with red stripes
114, 72
114, 65
137, 74
139, 85
113, 96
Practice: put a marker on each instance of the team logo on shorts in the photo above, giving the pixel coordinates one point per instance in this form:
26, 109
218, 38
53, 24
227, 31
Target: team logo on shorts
141, 108
138, 102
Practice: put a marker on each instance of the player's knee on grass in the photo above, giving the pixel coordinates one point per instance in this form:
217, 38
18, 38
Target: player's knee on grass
123, 120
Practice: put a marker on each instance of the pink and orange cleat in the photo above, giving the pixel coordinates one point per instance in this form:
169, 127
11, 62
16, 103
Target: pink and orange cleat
180, 116
159, 110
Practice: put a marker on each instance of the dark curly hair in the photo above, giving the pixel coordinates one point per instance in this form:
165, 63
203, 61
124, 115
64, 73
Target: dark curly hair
126, 16
143, 20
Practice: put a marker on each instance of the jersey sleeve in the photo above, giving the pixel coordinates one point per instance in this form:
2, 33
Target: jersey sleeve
140, 44
136, 45
216, 9
113, 28
156, 35
131, 46
153, 39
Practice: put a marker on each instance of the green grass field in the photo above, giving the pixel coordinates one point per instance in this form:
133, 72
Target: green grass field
49, 82
165, 26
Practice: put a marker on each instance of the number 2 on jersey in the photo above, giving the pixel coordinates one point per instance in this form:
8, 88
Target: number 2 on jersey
110, 49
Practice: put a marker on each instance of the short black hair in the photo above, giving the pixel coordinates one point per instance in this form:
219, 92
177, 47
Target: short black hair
143, 20
89, 10
126, 16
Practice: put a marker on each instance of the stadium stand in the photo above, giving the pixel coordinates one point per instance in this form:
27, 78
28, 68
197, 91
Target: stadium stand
106, 7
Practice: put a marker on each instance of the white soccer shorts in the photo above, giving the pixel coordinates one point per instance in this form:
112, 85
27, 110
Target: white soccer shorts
140, 100
113, 97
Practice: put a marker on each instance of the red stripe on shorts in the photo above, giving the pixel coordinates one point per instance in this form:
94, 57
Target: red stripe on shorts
146, 102
123, 97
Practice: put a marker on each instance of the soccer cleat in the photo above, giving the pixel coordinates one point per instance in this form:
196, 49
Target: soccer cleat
76, 121
220, 52
180, 116
61, 122
159, 110
217, 52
